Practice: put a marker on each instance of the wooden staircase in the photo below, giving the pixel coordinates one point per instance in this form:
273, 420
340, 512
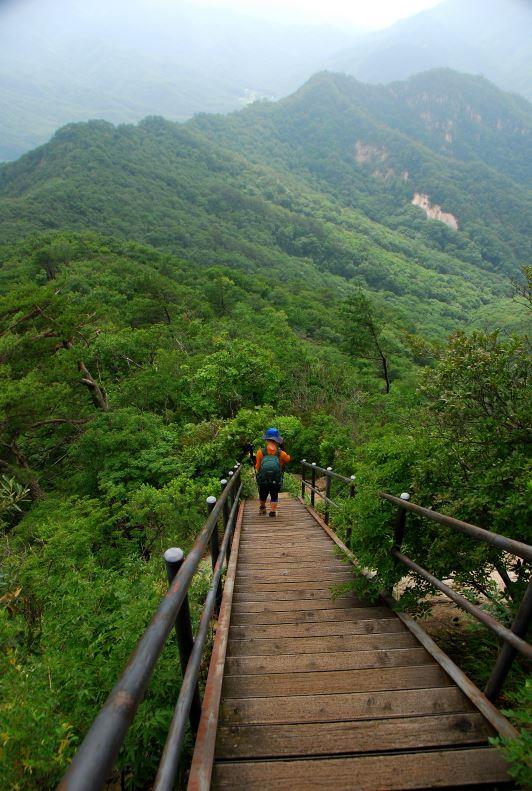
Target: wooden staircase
311, 691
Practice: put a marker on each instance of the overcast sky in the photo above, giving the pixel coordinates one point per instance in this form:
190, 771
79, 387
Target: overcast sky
356, 13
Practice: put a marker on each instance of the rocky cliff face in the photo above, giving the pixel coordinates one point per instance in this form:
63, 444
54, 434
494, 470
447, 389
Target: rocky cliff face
434, 212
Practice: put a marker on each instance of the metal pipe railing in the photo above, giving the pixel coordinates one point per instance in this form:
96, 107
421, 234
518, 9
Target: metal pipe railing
327, 471
512, 638
95, 758
326, 497
501, 542
169, 763
501, 631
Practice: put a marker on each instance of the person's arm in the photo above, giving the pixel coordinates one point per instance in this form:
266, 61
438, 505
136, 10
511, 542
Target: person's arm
284, 458
258, 459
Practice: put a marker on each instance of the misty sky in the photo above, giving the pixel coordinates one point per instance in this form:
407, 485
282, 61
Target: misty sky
356, 13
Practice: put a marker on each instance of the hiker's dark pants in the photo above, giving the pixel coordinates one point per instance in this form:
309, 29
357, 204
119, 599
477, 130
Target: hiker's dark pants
271, 489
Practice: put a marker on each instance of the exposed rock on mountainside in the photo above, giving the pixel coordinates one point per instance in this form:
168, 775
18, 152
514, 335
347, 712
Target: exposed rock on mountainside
434, 212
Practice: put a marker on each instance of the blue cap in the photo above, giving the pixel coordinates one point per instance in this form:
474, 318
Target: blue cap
273, 434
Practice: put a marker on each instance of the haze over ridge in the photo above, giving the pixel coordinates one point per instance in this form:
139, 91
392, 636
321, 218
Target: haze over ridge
99, 62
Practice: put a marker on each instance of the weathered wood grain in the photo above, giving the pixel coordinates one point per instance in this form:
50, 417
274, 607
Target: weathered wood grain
309, 616
326, 660
318, 738
346, 706
338, 628
319, 593
372, 773
315, 645
289, 584
326, 682
287, 605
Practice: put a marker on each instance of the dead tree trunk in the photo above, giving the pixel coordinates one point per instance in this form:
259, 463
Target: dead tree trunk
98, 395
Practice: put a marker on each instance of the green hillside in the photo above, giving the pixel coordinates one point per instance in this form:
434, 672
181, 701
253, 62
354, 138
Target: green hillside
281, 186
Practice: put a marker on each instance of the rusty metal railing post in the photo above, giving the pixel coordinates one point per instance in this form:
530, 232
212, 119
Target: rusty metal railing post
174, 557
215, 549
225, 509
303, 478
313, 483
400, 524
507, 653
348, 530
328, 480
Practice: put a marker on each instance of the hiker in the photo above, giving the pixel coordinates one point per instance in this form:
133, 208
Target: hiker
270, 462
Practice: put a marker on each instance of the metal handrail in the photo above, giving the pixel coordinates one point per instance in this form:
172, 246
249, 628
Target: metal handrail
330, 475
169, 763
501, 542
512, 638
97, 753
328, 472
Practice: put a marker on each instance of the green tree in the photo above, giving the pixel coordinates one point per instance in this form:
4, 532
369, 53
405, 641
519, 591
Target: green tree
363, 334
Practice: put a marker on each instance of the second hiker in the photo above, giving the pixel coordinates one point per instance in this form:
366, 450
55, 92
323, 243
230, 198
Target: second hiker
269, 464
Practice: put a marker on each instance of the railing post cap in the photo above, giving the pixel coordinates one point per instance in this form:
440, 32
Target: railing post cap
330, 469
353, 477
405, 496
211, 500
230, 472
223, 481
236, 466
303, 461
173, 555
313, 463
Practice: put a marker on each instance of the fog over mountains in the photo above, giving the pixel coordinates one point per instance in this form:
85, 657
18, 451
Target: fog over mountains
123, 61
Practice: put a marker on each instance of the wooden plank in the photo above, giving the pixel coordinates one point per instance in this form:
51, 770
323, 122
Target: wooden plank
321, 575
203, 757
405, 771
282, 605
290, 595
316, 645
287, 545
329, 660
275, 631
316, 559
256, 741
288, 556
326, 682
280, 552
347, 706
280, 566
310, 616
287, 585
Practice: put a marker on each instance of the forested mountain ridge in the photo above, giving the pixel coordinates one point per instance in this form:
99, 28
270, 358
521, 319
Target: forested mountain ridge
358, 143
315, 183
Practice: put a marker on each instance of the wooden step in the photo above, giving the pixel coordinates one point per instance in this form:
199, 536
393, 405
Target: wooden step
314, 645
282, 684
252, 664
337, 628
310, 616
344, 706
416, 770
400, 733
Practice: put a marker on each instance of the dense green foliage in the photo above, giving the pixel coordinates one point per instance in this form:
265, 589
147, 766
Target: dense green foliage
299, 290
